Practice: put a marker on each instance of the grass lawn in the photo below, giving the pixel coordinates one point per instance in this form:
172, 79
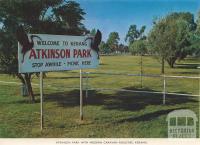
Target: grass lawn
106, 113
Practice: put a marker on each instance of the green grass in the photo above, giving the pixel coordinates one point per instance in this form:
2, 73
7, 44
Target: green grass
106, 113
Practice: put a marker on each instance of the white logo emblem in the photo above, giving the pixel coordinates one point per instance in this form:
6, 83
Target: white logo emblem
182, 124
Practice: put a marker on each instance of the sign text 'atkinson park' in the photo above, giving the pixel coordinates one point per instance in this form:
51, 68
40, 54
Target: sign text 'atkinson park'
57, 52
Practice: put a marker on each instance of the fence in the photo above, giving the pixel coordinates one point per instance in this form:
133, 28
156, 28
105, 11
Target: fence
164, 78
87, 83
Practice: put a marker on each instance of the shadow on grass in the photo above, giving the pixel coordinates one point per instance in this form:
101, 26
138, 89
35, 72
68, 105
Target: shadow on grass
148, 116
186, 73
72, 77
103, 64
26, 100
187, 66
119, 100
130, 101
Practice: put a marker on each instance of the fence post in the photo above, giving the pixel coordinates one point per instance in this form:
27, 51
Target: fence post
81, 96
41, 101
164, 89
86, 85
141, 72
199, 102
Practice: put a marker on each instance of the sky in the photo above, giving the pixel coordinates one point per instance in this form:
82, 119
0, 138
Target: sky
117, 15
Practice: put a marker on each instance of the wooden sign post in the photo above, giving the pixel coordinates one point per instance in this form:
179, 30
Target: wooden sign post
81, 96
41, 101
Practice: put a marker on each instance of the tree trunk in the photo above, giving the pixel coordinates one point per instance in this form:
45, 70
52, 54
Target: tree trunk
171, 62
23, 84
21, 78
163, 66
29, 86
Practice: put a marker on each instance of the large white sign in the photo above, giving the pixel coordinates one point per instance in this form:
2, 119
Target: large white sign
56, 52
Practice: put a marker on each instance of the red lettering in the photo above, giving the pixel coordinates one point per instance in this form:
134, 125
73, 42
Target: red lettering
32, 54
38, 53
44, 53
49, 52
62, 53
75, 52
84, 53
52, 53
89, 53
57, 53
79, 53
67, 53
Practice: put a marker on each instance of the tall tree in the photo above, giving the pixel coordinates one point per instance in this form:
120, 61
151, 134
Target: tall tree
170, 37
195, 48
113, 41
121, 48
104, 48
135, 34
138, 47
198, 23
93, 32
49, 16
70, 14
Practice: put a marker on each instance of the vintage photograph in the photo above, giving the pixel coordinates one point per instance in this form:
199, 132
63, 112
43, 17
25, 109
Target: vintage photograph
100, 69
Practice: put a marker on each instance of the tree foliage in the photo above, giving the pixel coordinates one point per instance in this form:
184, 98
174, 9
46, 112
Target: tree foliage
48, 16
170, 37
195, 39
138, 47
104, 48
122, 48
135, 34
93, 32
113, 41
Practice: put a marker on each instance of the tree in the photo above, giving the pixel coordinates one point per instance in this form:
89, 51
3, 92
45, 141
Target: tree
184, 26
198, 23
195, 39
157, 42
93, 32
170, 37
104, 48
69, 15
121, 48
49, 16
135, 34
113, 41
138, 47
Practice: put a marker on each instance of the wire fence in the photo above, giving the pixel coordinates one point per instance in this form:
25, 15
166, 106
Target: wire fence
125, 82
163, 81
